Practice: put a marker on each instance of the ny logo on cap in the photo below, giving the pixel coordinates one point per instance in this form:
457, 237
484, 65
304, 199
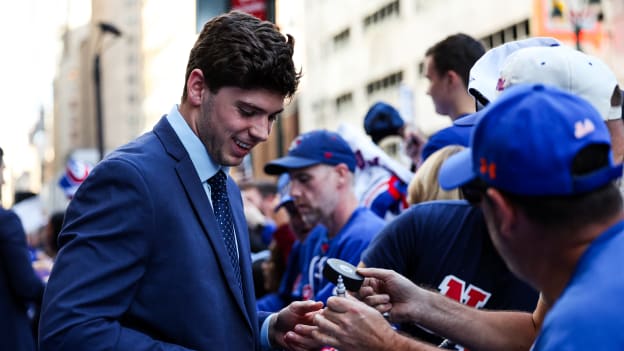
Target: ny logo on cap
583, 128
500, 85
296, 142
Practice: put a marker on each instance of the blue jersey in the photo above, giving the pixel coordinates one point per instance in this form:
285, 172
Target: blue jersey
445, 245
457, 134
348, 245
589, 313
387, 198
303, 279
291, 286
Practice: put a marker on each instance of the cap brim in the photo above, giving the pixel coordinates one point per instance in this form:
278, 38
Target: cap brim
485, 72
286, 199
457, 170
284, 164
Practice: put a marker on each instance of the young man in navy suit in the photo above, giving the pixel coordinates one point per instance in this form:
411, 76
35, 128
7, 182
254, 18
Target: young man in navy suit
145, 262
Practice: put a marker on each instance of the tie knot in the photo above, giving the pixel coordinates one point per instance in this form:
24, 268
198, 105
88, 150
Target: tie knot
217, 180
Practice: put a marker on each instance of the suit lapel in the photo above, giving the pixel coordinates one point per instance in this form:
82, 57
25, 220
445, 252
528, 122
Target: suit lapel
199, 201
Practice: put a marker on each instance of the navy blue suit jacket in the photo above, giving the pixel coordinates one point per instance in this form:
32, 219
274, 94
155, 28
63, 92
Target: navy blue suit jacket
19, 285
143, 265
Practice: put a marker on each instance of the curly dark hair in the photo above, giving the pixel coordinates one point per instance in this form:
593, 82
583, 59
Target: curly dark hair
237, 49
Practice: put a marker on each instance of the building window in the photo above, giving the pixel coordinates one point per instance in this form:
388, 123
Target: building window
341, 39
391, 9
207, 9
344, 100
520, 30
421, 68
390, 81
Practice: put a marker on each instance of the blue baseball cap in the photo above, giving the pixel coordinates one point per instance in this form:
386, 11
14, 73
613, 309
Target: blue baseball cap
312, 148
525, 143
382, 120
283, 189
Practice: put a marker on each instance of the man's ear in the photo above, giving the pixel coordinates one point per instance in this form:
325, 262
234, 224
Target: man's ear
343, 171
453, 78
195, 86
505, 212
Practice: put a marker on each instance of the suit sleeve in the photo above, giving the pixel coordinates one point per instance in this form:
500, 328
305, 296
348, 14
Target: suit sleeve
105, 245
22, 279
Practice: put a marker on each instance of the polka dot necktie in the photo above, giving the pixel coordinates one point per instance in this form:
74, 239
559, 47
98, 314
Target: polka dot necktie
223, 212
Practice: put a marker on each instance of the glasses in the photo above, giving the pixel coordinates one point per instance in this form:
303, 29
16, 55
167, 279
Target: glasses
474, 191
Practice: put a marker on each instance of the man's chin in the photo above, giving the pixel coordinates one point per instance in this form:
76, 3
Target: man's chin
309, 219
231, 161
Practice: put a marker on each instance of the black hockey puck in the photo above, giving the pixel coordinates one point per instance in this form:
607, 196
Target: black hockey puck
334, 267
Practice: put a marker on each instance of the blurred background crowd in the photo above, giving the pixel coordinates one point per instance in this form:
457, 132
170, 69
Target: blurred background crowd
352, 54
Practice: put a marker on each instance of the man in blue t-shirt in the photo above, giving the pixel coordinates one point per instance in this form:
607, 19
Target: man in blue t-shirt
321, 166
554, 213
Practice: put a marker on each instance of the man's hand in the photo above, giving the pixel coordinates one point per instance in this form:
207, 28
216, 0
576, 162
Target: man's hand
388, 291
297, 313
414, 141
349, 324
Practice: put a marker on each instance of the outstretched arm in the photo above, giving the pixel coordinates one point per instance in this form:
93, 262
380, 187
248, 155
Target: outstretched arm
476, 329
349, 324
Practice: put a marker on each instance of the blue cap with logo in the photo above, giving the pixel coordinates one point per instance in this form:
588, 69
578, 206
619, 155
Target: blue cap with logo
312, 148
526, 141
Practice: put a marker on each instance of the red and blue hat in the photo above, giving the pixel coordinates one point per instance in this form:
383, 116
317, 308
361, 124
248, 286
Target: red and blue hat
312, 148
76, 172
526, 141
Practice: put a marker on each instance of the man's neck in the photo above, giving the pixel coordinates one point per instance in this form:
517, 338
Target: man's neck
464, 105
340, 216
562, 257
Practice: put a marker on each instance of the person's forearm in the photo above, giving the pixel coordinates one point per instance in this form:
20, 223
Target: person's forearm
473, 328
399, 342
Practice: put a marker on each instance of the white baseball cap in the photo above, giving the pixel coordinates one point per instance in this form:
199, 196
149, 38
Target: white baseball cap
486, 71
567, 69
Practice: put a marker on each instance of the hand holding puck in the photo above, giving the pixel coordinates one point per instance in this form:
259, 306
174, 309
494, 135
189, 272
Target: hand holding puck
335, 267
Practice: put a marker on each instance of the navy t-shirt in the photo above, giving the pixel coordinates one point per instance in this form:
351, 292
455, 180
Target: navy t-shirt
445, 245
